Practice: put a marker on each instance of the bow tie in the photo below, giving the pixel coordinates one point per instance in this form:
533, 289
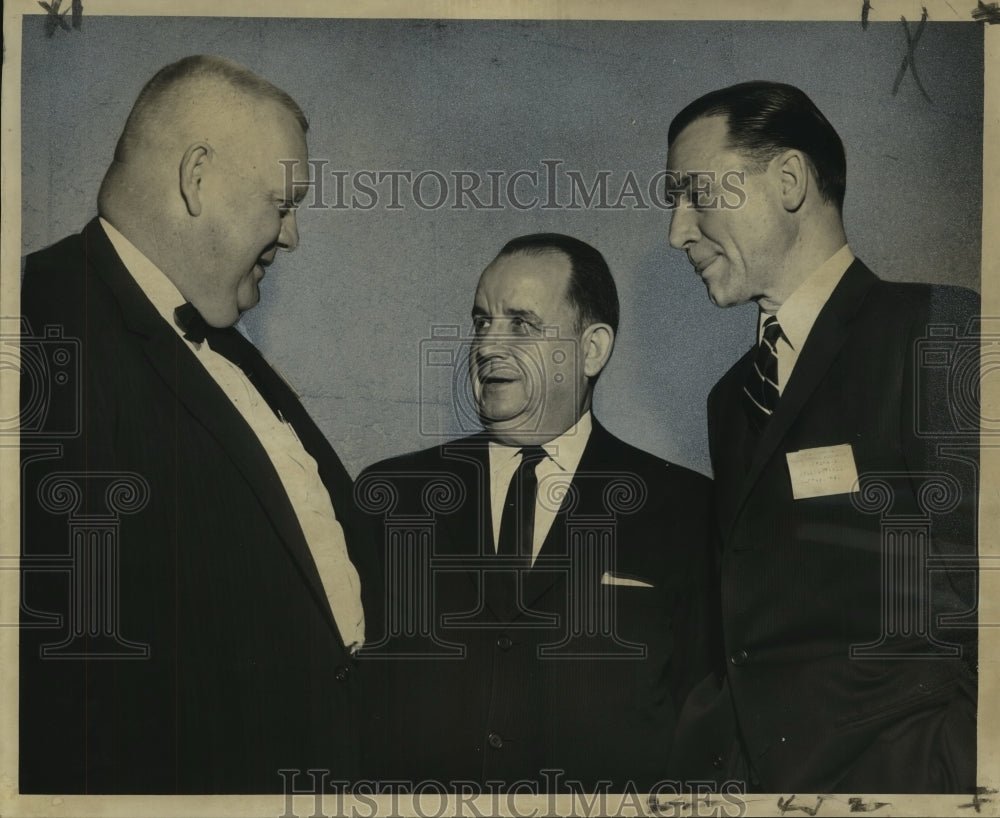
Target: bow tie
195, 328
230, 344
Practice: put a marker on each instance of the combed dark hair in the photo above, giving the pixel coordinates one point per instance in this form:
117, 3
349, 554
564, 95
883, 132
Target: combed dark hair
203, 66
766, 118
591, 288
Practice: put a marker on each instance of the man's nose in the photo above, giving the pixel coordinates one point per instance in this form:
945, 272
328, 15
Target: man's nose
288, 238
683, 226
485, 346
490, 343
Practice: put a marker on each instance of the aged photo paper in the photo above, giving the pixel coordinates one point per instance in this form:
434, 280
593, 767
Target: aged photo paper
438, 130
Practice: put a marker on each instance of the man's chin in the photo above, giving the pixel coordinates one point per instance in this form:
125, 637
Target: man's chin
224, 316
722, 299
499, 423
502, 420
524, 429
248, 301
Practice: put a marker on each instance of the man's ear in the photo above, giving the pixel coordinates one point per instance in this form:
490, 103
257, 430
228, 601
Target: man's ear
596, 344
794, 169
192, 169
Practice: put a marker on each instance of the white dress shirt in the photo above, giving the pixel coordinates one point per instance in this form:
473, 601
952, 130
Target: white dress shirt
800, 310
554, 473
295, 466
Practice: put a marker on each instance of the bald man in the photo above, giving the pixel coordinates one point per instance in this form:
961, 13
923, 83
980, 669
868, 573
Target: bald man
190, 610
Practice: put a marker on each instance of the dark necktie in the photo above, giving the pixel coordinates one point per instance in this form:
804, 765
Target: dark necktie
517, 524
760, 392
230, 343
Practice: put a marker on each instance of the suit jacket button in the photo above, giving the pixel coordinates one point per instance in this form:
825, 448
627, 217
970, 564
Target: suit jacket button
342, 673
740, 657
717, 762
504, 642
496, 742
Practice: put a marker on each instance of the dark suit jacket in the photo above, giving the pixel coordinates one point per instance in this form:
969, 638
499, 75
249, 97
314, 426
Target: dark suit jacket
212, 659
843, 675
585, 681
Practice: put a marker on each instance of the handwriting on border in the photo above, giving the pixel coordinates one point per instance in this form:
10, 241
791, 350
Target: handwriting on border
986, 13
786, 805
909, 61
977, 800
858, 805
54, 18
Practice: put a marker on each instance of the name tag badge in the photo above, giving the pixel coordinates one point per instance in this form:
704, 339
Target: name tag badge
822, 471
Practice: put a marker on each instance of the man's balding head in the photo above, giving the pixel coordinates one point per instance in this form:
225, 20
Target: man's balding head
197, 182
193, 97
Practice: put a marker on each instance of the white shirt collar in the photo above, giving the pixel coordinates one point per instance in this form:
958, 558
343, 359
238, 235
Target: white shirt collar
160, 290
800, 310
565, 451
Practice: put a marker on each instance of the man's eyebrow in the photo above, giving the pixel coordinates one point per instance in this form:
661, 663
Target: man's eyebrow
531, 315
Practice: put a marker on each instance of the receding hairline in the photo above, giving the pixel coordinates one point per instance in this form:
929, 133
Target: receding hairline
538, 250
545, 250
533, 252
754, 163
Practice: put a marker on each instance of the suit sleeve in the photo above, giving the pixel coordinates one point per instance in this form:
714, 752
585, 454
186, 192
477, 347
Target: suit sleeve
62, 743
697, 625
941, 438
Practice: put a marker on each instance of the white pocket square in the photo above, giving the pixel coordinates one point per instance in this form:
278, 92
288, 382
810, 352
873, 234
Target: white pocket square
608, 578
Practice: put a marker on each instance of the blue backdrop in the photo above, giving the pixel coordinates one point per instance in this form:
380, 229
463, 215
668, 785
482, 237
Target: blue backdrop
349, 317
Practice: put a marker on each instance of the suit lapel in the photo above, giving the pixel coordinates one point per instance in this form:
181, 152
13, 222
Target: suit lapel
542, 578
828, 334
468, 532
585, 492
731, 437
184, 375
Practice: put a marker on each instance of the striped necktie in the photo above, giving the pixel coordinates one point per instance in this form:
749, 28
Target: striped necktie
760, 391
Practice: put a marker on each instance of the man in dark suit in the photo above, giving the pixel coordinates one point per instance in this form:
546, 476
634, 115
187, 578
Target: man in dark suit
845, 452
189, 611
543, 580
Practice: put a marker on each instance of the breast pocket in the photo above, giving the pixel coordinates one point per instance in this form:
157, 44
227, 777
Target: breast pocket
639, 618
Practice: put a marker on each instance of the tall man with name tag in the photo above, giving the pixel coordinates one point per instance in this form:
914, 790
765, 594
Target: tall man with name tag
544, 581
845, 475
189, 609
